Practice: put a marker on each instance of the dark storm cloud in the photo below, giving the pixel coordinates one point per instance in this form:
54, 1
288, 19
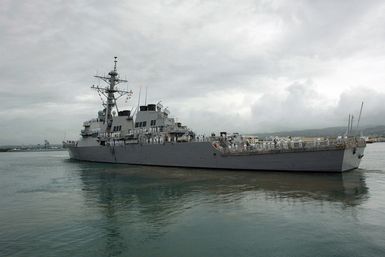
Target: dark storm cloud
249, 66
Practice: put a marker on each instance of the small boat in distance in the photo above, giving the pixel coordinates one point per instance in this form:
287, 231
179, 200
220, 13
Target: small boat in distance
150, 136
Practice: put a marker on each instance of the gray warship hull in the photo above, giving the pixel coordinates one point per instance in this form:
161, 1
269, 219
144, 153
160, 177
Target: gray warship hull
204, 155
149, 136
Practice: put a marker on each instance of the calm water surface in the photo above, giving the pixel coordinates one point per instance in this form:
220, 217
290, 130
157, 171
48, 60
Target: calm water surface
51, 206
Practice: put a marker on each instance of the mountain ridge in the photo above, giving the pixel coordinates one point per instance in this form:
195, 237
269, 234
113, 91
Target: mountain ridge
378, 130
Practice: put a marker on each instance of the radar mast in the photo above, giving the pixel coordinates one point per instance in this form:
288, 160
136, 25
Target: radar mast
111, 93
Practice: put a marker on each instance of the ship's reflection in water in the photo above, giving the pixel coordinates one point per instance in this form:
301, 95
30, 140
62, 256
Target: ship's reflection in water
141, 204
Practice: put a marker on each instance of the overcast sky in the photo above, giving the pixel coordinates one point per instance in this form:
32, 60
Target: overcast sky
246, 66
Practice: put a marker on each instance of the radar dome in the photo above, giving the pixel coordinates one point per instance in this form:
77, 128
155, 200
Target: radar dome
113, 73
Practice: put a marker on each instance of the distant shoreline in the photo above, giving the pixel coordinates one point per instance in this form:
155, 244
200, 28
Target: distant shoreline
13, 150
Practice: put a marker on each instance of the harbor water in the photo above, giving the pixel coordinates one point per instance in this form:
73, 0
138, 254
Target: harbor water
52, 206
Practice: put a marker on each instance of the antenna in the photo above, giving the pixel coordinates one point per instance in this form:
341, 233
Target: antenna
115, 61
351, 124
145, 100
347, 130
359, 116
140, 92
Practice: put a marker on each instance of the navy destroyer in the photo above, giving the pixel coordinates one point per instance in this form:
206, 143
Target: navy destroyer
150, 136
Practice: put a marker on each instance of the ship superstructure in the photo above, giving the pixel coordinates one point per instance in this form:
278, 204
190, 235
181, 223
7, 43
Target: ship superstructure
149, 136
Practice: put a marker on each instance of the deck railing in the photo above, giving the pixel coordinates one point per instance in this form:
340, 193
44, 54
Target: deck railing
284, 146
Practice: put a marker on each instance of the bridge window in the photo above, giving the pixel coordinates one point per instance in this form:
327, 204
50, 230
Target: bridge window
117, 128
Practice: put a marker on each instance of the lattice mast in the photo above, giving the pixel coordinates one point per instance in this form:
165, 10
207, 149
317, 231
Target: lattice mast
111, 93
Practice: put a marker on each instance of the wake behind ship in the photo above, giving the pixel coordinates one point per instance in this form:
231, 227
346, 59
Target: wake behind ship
149, 136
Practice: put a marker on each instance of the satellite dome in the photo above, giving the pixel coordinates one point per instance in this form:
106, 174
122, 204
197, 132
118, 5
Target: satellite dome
112, 73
